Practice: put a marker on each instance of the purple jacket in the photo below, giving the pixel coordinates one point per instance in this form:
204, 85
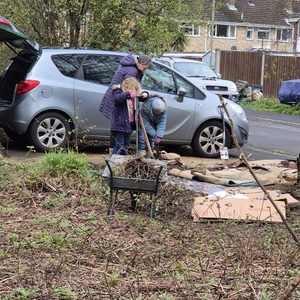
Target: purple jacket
119, 120
127, 68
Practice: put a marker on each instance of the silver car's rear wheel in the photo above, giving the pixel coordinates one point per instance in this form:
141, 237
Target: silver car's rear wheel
50, 131
209, 139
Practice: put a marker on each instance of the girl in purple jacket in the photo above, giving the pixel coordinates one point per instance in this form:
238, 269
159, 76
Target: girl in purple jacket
122, 117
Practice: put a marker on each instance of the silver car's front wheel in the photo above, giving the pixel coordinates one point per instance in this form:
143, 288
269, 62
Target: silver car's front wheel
50, 131
209, 139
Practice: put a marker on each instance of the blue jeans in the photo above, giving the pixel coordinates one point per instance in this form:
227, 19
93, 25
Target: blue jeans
142, 140
122, 142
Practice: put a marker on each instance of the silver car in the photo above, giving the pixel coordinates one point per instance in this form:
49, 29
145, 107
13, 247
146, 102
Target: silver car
200, 73
51, 96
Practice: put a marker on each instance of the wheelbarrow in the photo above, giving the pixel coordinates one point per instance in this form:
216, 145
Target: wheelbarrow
133, 185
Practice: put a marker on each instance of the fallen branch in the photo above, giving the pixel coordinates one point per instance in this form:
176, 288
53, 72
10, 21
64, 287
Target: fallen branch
244, 158
296, 281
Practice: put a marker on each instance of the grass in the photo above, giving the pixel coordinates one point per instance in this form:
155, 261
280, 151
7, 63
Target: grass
271, 105
57, 242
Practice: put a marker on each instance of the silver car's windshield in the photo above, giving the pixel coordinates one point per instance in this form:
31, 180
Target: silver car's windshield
191, 69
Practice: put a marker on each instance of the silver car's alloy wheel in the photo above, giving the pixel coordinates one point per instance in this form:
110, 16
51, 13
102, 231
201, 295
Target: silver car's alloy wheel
49, 131
209, 139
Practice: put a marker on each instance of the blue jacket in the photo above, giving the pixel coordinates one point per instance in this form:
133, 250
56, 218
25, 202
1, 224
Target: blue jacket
119, 120
127, 68
155, 125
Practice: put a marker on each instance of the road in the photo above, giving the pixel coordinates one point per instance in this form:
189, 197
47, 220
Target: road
271, 136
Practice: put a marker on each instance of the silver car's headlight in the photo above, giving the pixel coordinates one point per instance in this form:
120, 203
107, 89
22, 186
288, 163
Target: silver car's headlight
233, 88
238, 110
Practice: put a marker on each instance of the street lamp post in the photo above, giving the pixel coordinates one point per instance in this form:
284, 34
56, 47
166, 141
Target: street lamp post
212, 32
212, 27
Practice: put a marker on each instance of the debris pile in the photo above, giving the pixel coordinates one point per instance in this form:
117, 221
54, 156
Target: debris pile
137, 168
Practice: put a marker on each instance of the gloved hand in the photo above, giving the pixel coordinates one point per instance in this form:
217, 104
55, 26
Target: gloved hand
132, 95
157, 140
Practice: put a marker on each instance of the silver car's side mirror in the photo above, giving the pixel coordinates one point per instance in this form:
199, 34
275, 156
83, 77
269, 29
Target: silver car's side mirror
181, 93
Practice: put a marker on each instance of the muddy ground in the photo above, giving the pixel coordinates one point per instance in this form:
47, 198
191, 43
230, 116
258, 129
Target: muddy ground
58, 243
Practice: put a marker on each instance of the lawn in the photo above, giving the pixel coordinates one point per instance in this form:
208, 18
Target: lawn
271, 105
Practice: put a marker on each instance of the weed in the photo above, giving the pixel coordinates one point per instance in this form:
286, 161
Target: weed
114, 279
122, 217
139, 222
4, 254
20, 294
92, 217
55, 239
265, 296
64, 293
66, 163
54, 201
31, 149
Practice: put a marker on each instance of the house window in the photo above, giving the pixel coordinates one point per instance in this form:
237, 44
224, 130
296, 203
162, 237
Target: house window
250, 31
283, 34
191, 29
224, 31
263, 34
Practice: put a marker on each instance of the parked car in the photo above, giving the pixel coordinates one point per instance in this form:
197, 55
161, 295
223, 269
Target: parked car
200, 73
289, 92
50, 96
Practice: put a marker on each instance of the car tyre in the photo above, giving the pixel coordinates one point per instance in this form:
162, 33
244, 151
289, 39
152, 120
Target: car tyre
208, 139
50, 131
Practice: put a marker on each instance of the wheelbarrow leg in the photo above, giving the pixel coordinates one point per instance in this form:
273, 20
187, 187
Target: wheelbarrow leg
133, 203
112, 202
152, 213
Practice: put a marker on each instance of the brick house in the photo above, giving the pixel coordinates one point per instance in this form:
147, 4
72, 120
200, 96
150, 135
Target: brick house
247, 25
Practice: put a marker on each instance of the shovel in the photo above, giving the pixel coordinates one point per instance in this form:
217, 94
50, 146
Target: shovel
146, 137
157, 151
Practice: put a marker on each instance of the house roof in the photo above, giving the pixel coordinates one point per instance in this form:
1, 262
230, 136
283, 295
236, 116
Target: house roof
254, 12
296, 9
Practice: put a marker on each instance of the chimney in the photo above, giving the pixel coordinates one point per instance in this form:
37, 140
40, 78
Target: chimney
288, 5
231, 4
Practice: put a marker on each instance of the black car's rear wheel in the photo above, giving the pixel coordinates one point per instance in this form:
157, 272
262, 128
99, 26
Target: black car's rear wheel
209, 139
50, 131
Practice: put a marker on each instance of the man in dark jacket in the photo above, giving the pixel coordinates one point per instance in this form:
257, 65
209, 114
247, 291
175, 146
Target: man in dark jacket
129, 67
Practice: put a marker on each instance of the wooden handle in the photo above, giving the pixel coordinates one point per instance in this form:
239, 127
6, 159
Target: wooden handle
146, 137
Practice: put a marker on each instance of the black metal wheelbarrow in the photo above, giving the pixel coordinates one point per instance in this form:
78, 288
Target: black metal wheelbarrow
133, 185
